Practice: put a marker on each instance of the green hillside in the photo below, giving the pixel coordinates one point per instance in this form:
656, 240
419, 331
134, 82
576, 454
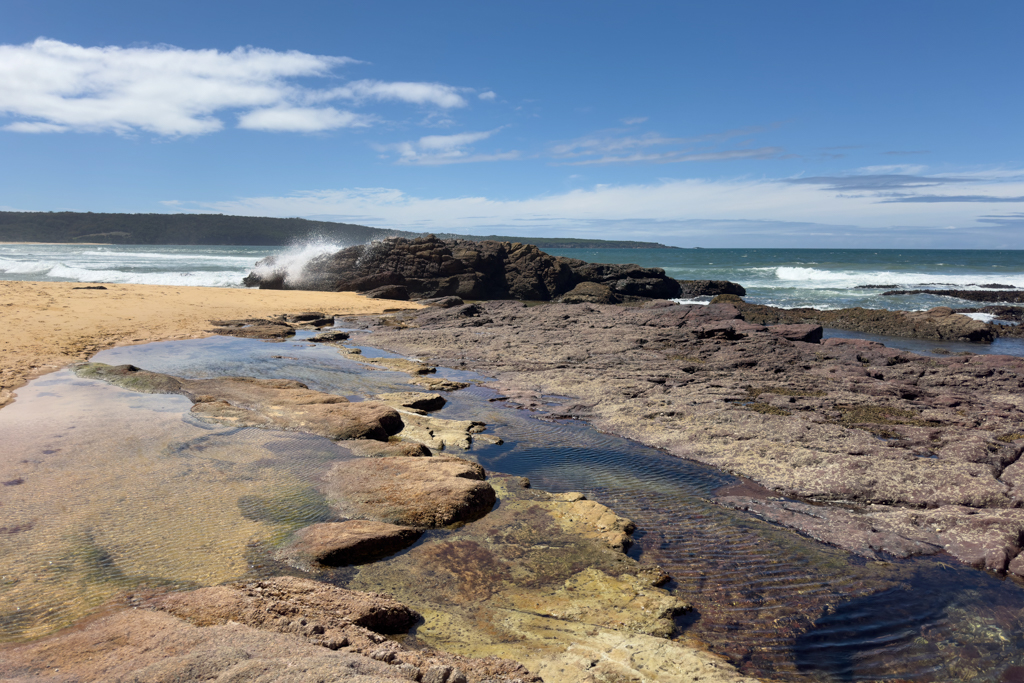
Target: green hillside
183, 228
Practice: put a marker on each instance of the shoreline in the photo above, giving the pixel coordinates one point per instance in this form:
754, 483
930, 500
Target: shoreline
50, 325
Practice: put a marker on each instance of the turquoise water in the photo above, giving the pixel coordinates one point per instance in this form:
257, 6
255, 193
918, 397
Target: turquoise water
818, 278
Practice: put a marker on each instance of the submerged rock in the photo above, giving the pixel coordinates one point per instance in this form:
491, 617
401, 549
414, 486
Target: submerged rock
337, 544
250, 402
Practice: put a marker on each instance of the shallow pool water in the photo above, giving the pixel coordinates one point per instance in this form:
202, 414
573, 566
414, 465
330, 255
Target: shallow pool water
120, 490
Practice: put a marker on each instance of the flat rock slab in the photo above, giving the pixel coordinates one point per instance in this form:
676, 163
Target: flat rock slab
413, 399
250, 402
439, 434
419, 492
338, 544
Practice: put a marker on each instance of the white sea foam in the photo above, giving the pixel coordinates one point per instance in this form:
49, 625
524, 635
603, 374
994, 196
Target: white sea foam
685, 302
850, 279
983, 317
293, 260
198, 278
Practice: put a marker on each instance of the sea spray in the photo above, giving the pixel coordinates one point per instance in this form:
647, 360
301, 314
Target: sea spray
291, 263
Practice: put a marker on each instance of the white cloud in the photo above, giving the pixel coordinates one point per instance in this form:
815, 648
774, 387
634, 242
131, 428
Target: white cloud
300, 119
666, 209
438, 94
436, 150
635, 121
51, 86
34, 127
488, 96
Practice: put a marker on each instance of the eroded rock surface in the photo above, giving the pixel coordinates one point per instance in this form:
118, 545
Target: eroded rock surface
282, 629
845, 421
250, 402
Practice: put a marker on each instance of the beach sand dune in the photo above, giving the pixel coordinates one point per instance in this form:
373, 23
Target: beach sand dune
47, 325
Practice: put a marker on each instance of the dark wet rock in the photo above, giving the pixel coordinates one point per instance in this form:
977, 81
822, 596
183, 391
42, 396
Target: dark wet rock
430, 268
253, 328
395, 292
330, 336
337, 544
1003, 296
249, 402
844, 422
416, 400
419, 492
940, 323
710, 288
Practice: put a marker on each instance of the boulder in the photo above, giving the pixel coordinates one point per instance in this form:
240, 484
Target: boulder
337, 544
419, 492
589, 293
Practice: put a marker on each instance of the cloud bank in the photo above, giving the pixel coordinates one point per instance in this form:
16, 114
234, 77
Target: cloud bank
736, 212
50, 87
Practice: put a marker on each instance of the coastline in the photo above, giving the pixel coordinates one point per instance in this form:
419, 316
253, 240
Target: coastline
52, 324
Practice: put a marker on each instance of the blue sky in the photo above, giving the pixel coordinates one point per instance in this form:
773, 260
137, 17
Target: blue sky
747, 124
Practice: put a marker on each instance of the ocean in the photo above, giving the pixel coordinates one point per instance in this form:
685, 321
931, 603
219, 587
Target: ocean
788, 278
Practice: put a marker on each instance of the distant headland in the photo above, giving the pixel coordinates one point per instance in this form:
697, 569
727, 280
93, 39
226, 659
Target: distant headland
216, 229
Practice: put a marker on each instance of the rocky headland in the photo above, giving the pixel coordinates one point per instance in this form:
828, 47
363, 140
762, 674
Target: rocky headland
876, 450
428, 267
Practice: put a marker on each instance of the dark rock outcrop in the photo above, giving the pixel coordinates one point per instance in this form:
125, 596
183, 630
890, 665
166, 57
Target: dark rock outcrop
710, 288
1000, 297
428, 267
939, 323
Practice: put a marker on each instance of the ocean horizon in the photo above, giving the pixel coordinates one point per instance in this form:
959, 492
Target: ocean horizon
787, 278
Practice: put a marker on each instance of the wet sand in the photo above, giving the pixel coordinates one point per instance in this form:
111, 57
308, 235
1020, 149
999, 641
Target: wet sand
47, 325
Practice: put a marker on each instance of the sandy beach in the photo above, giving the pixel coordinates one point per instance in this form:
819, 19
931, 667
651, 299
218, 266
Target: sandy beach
51, 324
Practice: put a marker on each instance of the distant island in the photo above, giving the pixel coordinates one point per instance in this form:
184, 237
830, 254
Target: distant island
216, 229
